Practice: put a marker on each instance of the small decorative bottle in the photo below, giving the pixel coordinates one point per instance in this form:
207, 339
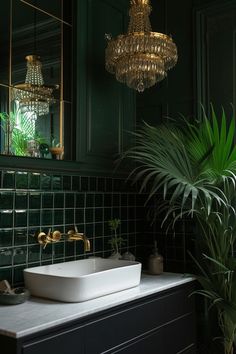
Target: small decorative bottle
155, 262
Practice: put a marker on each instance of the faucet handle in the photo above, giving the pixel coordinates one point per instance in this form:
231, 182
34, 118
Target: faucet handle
50, 237
56, 236
42, 238
74, 235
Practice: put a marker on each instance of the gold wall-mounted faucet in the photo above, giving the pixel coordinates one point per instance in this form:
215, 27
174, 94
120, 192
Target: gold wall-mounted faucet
50, 237
75, 235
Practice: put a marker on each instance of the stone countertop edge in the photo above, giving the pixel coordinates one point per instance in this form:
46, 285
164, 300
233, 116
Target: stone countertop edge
37, 314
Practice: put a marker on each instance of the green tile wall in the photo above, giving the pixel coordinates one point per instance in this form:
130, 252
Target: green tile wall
31, 202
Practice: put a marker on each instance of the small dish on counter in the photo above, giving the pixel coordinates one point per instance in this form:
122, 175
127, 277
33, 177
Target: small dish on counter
16, 296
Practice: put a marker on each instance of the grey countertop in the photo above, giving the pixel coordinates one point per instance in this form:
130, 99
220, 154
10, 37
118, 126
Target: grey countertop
38, 314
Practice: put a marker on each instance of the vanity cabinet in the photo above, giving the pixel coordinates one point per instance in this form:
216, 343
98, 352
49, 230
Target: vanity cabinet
105, 108
162, 323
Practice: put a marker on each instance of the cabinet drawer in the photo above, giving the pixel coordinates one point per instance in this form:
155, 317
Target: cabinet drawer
116, 329
68, 342
174, 338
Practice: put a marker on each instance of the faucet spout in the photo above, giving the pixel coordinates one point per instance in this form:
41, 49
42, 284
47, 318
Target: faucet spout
87, 246
74, 235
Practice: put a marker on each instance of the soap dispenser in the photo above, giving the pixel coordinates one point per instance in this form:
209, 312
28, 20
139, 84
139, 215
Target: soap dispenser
155, 262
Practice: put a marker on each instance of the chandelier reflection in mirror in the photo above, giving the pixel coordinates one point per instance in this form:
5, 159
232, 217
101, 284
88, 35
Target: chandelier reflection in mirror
140, 58
33, 96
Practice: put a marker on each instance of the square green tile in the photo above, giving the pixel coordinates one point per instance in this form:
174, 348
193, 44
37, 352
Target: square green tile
21, 180
47, 217
18, 275
89, 230
106, 244
34, 200
80, 200
69, 200
5, 257
131, 199
89, 215
19, 255
84, 184
32, 235
101, 184
6, 218
79, 216
98, 200
70, 248
98, 214
116, 200
107, 229
20, 237
8, 179
69, 216
58, 250
108, 185
34, 253
75, 183
90, 200
58, 217
124, 213
124, 199
98, 244
107, 199
6, 273
79, 248
47, 200
92, 184
34, 217
99, 229
59, 200
46, 253
107, 214
67, 182
6, 238
21, 200
20, 218
34, 180
46, 182
124, 227
116, 213
6, 200
57, 182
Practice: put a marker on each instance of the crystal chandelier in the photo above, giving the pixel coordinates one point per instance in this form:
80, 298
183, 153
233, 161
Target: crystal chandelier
140, 58
33, 95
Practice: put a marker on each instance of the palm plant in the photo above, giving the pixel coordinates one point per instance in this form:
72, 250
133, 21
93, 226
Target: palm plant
194, 166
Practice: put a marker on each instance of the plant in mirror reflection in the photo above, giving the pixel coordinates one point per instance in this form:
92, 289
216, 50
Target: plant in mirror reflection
193, 165
19, 128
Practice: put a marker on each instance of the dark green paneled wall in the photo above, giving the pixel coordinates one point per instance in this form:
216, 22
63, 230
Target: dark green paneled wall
175, 93
187, 83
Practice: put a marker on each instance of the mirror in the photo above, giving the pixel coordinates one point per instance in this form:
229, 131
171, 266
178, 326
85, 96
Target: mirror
35, 35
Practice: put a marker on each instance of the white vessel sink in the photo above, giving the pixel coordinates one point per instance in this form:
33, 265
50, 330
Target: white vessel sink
82, 280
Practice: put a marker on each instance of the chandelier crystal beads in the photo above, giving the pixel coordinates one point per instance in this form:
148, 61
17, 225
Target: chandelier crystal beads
140, 58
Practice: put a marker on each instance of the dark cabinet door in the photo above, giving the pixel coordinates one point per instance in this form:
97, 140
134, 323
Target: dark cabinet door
66, 342
105, 107
175, 337
149, 324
